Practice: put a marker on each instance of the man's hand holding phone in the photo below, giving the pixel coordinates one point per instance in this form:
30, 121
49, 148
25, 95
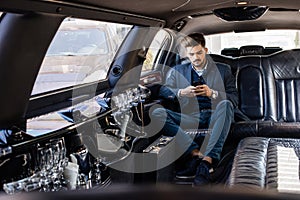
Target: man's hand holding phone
202, 90
199, 90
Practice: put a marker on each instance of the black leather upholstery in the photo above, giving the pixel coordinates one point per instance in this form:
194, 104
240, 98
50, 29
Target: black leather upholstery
269, 89
250, 87
254, 128
234, 52
283, 82
251, 50
269, 94
256, 165
249, 165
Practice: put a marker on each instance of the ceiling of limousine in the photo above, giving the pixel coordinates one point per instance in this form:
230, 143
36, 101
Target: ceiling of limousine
175, 8
173, 13
281, 14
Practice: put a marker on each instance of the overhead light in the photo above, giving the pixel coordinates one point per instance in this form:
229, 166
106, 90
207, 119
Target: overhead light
189, 17
242, 3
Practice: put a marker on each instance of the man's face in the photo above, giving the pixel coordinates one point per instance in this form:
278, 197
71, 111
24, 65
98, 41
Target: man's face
197, 55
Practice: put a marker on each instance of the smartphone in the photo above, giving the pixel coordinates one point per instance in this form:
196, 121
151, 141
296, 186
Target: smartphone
198, 82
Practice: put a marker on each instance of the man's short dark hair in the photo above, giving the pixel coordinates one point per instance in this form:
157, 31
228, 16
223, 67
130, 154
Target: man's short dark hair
193, 39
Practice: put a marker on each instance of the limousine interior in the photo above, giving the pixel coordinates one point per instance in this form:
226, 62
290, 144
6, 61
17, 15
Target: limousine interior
80, 78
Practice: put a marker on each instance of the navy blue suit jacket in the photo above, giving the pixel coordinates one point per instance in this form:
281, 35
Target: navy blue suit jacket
217, 76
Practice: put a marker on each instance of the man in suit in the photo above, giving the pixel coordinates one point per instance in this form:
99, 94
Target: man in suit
207, 95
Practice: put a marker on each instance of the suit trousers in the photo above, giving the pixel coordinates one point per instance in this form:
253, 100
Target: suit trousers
218, 120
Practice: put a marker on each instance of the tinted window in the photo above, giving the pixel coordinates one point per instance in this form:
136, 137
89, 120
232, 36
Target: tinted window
81, 52
79, 42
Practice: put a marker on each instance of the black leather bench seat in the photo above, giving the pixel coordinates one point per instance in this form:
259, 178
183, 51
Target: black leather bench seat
269, 93
266, 163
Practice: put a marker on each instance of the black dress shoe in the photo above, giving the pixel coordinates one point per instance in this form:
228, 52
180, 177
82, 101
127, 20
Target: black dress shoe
202, 177
190, 171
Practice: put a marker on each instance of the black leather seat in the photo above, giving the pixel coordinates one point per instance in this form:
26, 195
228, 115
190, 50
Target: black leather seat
271, 163
233, 52
251, 50
269, 94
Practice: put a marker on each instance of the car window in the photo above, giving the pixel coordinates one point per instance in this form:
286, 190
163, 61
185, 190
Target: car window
158, 45
284, 39
90, 41
81, 52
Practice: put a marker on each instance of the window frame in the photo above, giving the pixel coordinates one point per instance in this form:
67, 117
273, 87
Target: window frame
159, 57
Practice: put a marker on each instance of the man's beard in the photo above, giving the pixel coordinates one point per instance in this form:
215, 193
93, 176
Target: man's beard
198, 63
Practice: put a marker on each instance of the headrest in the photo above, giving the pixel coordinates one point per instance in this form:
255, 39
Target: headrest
270, 50
234, 52
251, 50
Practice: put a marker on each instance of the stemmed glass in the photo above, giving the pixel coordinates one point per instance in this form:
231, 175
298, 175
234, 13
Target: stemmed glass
59, 152
51, 161
45, 164
60, 162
